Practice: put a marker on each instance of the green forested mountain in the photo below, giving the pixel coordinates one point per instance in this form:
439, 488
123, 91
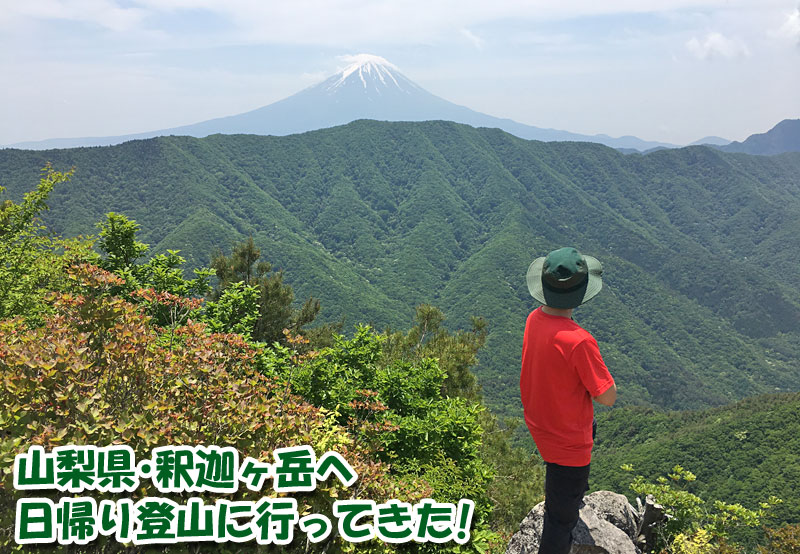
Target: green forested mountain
700, 247
741, 453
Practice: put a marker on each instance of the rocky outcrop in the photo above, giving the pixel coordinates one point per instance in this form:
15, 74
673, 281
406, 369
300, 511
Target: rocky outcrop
608, 524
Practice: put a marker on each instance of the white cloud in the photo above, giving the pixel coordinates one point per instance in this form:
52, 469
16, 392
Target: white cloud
105, 13
790, 30
717, 45
476, 41
332, 22
338, 22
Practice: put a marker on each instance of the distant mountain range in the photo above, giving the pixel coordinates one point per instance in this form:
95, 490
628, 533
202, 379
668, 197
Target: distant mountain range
700, 303
784, 137
373, 88
711, 141
370, 88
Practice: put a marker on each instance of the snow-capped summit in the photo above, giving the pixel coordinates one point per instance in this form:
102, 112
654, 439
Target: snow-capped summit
367, 76
367, 67
369, 87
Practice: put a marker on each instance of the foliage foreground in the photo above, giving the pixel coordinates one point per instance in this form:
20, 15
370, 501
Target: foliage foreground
106, 349
98, 373
109, 350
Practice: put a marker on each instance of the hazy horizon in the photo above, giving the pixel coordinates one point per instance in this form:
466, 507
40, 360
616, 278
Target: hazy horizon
662, 71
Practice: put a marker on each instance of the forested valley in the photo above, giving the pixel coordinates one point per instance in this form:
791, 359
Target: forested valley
362, 288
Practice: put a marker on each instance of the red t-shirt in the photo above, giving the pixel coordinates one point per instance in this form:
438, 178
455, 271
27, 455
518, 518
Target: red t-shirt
561, 371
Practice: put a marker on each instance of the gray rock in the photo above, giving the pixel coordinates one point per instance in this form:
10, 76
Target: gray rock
607, 525
595, 535
526, 541
615, 509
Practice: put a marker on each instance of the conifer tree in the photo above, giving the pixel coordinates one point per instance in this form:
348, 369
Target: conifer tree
456, 352
275, 311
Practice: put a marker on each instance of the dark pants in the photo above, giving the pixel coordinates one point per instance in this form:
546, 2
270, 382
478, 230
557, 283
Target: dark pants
564, 487
563, 492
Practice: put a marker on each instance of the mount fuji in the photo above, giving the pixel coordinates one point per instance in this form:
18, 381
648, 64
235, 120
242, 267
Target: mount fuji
369, 88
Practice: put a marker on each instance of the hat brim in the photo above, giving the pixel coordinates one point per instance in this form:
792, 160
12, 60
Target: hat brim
565, 300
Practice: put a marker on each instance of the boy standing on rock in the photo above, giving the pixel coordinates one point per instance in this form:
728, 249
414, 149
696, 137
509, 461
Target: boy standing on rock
562, 372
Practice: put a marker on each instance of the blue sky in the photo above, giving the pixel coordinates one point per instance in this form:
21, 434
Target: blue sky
671, 71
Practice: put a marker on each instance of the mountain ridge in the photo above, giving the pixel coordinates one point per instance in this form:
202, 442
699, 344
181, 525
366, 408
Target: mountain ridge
375, 218
783, 137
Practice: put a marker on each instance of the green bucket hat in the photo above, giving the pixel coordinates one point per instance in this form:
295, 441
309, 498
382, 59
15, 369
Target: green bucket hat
564, 278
